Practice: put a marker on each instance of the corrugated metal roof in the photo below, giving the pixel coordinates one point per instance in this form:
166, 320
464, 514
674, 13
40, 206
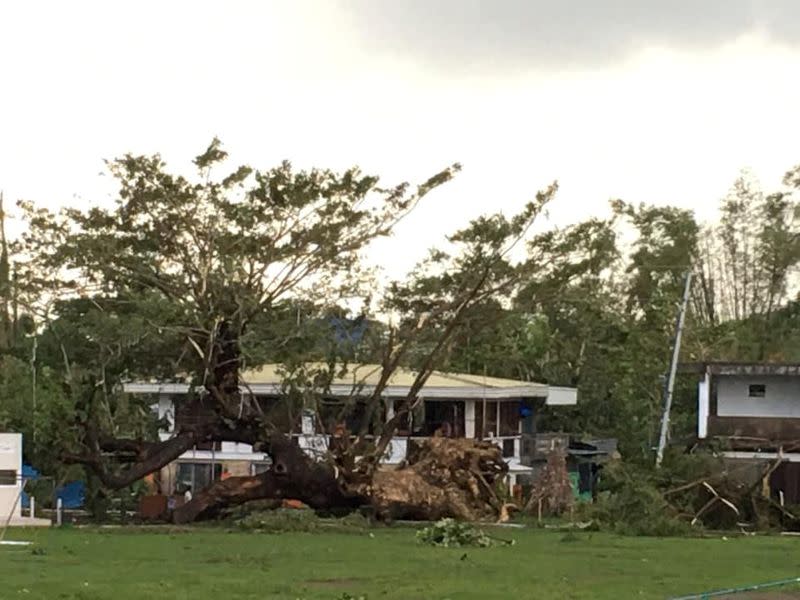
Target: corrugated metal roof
360, 379
369, 374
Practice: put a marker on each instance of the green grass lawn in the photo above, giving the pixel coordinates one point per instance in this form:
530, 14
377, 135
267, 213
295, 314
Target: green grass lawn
386, 563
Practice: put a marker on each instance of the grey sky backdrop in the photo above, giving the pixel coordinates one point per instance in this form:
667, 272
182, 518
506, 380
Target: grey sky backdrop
541, 35
649, 101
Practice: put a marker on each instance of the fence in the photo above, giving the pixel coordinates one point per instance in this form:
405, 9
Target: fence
740, 590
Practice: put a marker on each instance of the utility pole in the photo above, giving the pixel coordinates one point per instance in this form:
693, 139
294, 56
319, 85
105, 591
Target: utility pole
33, 382
673, 367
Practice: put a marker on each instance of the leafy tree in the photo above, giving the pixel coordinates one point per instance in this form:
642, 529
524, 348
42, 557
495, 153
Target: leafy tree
197, 277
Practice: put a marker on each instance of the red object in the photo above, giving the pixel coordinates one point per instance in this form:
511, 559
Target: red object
152, 507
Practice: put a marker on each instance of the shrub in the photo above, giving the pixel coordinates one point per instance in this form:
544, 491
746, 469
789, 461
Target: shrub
632, 504
449, 533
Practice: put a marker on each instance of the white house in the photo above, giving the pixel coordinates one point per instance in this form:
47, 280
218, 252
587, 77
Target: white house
459, 405
752, 411
10, 476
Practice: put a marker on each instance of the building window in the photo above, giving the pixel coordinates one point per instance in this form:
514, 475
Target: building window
445, 417
509, 418
8, 477
497, 419
508, 448
757, 390
196, 476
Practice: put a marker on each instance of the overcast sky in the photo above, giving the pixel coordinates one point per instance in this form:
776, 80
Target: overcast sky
650, 101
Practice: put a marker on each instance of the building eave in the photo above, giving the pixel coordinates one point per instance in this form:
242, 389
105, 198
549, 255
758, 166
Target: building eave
553, 395
740, 368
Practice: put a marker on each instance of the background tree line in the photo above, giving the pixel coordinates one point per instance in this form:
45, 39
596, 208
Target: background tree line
157, 287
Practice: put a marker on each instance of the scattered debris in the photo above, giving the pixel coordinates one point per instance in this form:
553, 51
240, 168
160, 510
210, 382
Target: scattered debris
449, 533
552, 491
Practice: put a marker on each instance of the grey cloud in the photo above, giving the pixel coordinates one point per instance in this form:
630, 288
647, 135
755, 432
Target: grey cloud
539, 34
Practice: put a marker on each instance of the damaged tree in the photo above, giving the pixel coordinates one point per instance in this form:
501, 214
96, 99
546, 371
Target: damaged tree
188, 276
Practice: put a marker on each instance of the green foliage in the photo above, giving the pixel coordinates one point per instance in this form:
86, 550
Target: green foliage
254, 263
638, 500
39, 410
632, 504
177, 257
594, 315
283, 520
449, 533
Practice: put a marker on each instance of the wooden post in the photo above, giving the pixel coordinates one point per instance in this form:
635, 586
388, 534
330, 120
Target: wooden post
540, 511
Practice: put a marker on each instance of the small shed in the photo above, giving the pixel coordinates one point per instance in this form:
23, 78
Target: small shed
585, 461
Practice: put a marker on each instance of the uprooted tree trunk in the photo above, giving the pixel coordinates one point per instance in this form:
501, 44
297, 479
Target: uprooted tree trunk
441, 478
293, 475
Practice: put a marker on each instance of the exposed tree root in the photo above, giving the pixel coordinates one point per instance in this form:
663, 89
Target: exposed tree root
441, 478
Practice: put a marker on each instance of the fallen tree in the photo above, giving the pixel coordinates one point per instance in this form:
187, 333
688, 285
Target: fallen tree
441, 478
691, 493
193, 277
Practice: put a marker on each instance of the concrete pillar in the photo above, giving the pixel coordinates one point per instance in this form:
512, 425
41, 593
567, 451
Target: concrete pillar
469, 418
307, 423
389, 408
703, 406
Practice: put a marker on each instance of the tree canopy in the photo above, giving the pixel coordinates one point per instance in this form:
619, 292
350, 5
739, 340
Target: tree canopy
198, 278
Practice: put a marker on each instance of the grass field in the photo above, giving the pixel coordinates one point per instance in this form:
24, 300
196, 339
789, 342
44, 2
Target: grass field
201, 564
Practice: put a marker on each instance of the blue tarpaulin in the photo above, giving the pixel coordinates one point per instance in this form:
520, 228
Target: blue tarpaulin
28, 472
72, 494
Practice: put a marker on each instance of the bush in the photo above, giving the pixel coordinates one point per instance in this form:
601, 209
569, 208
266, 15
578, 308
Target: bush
631, 503
449, 533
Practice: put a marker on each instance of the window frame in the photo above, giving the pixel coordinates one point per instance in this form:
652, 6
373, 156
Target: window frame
9, 475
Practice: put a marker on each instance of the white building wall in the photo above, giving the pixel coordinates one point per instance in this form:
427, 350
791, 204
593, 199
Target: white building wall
781, 398
561, 396
703, 406
11, 460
